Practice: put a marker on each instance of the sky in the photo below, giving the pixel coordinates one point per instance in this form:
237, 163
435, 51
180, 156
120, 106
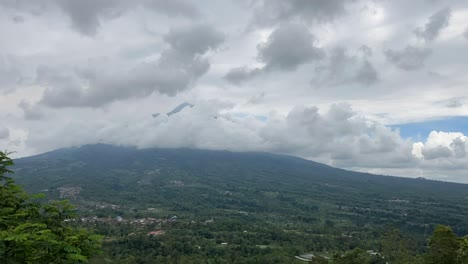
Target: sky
377, 86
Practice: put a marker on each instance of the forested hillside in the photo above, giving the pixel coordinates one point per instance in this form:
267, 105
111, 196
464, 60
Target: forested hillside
225, 207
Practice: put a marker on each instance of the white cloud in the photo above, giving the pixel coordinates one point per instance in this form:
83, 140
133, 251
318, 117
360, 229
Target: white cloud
338, 136
440, 145
177, 68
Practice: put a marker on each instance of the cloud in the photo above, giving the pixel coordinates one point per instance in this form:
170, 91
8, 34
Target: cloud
436, 152
366, 74
279, 53
338, 136
342, 68
443, 145
409, 59
256, 99
78, 72
194, 40
241, 74
176, 70
366, 50
10, 74
18, 19
174, 8
32, 7
455, 102
4, 132
459, 147
465, 34
31, 112
434, 25
272, 12
87, 16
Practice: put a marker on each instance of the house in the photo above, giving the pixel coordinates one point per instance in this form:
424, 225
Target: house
156, 233
209, 221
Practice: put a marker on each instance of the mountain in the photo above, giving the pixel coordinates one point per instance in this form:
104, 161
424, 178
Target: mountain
206, 183
179, 108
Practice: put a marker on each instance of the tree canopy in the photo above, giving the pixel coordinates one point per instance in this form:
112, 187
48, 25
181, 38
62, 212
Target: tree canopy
35, 232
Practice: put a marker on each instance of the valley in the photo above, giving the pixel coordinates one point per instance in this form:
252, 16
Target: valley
232, 207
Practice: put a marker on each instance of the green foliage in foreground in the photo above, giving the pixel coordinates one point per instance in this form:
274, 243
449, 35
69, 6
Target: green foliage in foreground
33, 232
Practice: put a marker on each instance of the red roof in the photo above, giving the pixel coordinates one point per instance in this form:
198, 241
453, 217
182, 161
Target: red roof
156, 232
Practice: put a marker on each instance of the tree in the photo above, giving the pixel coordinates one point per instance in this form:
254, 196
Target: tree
394, 246
444, 245
463, 251
356, 256
34, 232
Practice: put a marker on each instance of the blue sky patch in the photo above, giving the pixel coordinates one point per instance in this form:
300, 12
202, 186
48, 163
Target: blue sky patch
420, 130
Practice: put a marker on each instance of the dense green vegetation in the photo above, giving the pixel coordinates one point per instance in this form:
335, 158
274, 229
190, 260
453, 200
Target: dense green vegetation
249, 207
33, 232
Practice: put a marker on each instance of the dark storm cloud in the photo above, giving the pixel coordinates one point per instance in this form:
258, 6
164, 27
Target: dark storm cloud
178, 67
434, 25
288, 47
409, 59
271, 12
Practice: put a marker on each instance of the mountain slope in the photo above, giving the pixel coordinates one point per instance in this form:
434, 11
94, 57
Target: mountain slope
250, 186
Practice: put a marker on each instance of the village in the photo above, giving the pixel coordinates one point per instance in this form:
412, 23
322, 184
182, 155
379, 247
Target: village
134, 221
